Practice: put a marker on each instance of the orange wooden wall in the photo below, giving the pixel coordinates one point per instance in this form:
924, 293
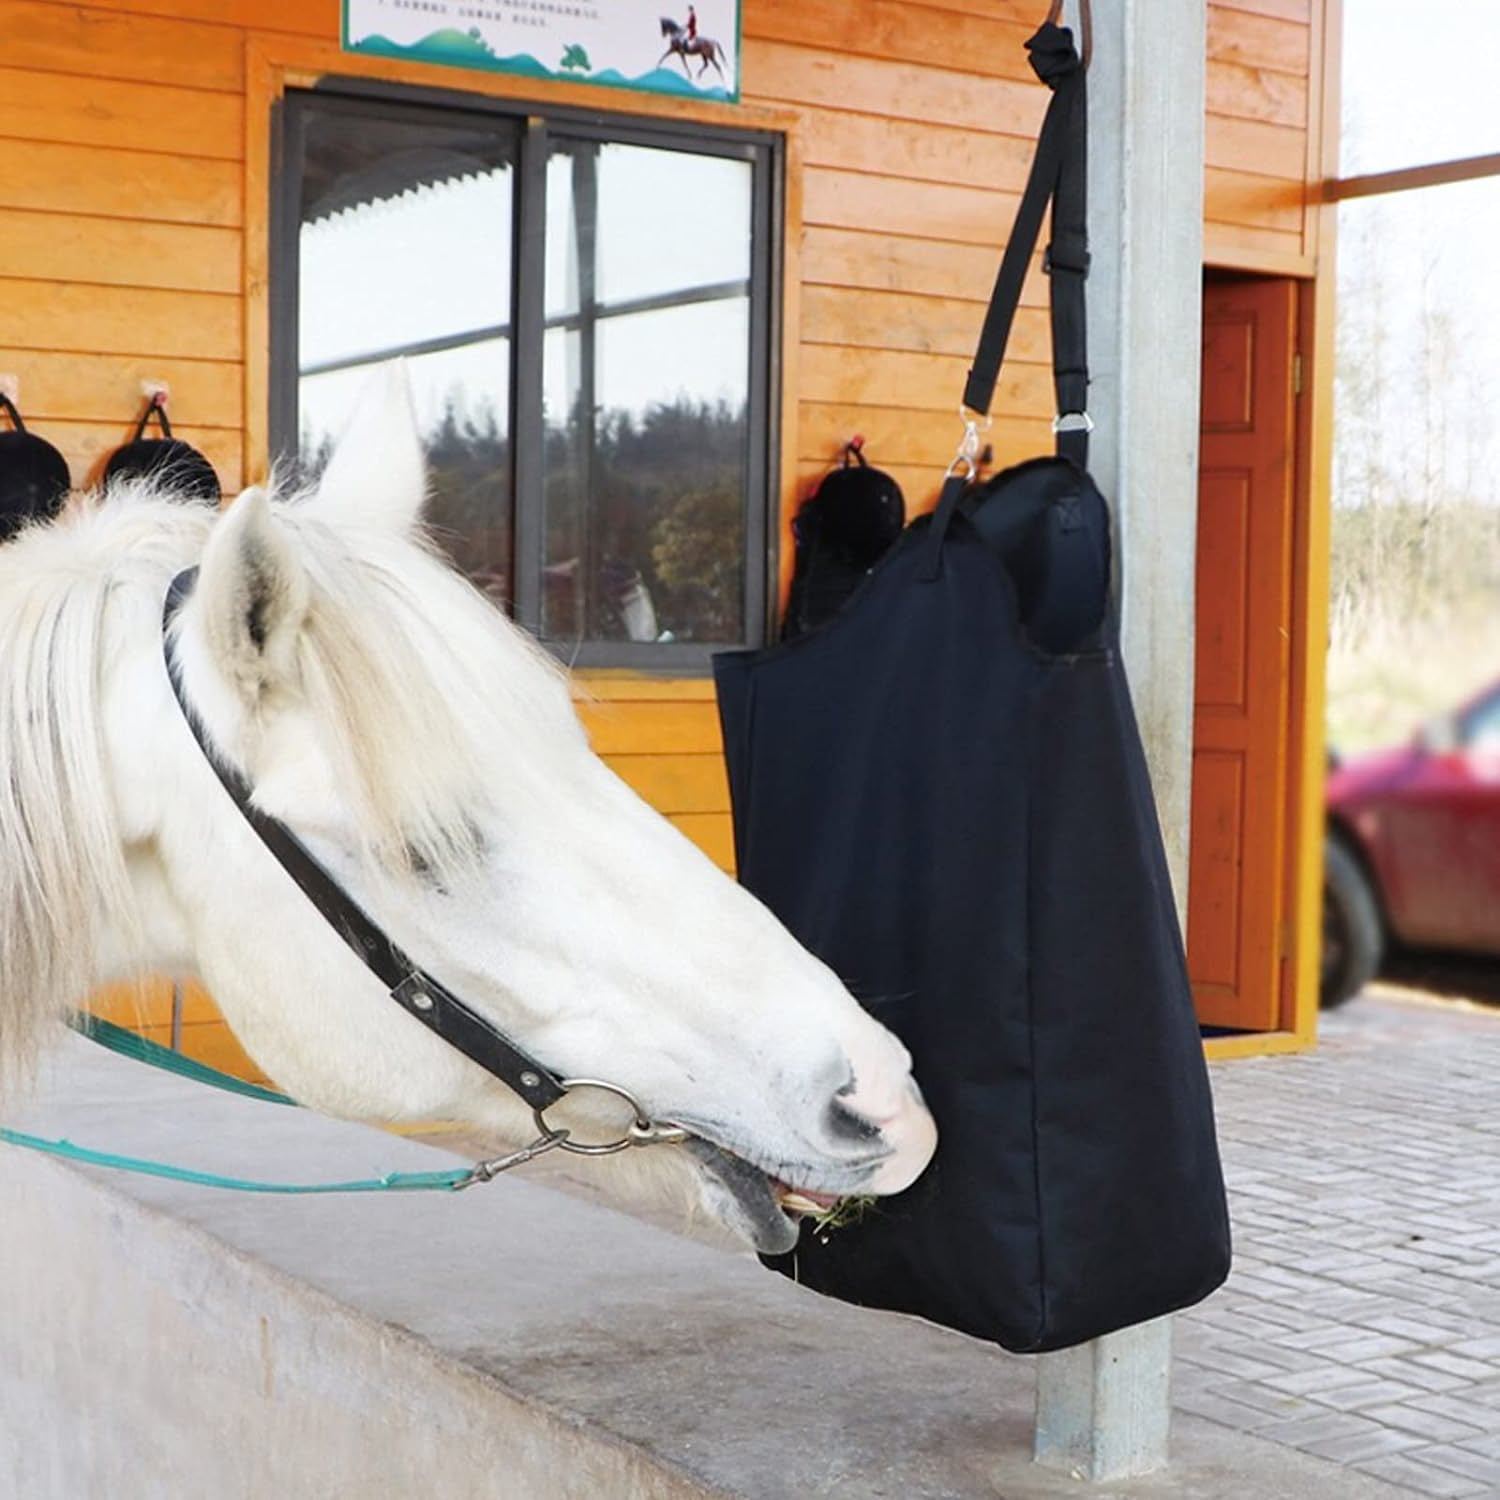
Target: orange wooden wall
123, 255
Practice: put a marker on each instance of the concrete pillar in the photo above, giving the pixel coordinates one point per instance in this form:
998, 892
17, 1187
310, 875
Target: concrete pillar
1102, 1409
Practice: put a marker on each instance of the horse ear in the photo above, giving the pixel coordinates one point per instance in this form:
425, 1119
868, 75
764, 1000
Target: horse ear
377, 475
251, 596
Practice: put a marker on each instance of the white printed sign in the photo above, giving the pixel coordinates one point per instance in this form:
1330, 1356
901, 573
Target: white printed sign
663, 46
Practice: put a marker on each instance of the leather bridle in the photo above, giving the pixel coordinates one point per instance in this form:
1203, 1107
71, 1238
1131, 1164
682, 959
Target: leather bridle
416, 991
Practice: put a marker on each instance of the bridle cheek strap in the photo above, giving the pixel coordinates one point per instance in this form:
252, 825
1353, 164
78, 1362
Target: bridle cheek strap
410, 986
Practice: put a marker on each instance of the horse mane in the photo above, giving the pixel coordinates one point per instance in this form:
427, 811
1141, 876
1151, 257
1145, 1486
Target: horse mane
409, 676
63, 879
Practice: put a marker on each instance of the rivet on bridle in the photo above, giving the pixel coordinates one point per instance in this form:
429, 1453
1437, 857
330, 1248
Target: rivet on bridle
530, 1080
421, 1000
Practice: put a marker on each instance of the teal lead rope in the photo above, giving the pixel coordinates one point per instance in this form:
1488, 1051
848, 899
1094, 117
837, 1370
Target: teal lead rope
140, 1049
392, 1182
128, 1044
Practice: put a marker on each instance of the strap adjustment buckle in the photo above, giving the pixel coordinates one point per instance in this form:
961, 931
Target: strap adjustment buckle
1067, 253
1073, 421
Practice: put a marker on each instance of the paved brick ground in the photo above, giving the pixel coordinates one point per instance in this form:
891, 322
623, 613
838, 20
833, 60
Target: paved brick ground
1362, 1321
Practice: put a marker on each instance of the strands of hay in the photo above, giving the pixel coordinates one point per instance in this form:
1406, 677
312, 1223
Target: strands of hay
838, 1215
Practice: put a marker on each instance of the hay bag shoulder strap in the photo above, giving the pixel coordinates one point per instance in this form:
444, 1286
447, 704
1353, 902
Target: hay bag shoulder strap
1059, 177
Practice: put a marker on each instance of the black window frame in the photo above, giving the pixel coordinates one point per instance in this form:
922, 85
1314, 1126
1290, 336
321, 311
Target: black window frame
537, 125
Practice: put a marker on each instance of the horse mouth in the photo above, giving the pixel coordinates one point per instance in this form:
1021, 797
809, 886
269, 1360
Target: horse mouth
765, 1209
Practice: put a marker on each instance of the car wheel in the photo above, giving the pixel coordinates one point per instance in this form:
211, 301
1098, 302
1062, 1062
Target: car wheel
1353, 934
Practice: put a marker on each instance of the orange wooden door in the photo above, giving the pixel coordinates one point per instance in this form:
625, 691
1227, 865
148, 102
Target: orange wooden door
1236, 882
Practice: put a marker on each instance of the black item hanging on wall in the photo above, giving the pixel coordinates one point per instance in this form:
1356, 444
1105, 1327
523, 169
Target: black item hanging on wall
847, 526
943, 794
33, 475
168, 461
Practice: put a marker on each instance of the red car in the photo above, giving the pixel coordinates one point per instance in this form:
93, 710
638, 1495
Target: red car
1413, 847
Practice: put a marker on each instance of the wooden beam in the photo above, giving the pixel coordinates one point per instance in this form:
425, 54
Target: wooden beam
1466, 169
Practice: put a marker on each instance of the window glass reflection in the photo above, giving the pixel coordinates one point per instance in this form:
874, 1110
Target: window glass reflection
405, 249
646, 379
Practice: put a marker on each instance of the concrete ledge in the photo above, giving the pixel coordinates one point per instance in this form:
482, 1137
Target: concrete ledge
164, 1341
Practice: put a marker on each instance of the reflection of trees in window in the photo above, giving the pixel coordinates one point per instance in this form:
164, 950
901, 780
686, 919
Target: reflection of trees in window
468, 491
666, 500
468, 496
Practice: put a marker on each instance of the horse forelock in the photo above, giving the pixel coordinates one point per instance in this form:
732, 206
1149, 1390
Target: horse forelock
432, 707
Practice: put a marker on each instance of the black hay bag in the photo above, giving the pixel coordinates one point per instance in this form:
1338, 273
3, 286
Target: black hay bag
942, 793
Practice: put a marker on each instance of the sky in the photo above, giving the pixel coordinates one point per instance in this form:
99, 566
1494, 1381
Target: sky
1419, 292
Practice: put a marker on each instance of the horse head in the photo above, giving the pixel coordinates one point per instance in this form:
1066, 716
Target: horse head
426, 751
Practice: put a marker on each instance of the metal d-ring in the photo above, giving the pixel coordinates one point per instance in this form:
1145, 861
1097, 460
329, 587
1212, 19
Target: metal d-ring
642, 1130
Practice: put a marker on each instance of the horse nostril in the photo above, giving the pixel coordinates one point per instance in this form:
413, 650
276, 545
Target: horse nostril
845, 1125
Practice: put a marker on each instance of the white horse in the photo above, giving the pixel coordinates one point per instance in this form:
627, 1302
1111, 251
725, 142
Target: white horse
426, 751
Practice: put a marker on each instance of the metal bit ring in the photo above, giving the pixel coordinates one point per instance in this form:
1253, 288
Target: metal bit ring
642, 1130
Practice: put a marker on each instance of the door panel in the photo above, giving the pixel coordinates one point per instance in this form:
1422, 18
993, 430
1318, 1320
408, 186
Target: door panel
1236, 882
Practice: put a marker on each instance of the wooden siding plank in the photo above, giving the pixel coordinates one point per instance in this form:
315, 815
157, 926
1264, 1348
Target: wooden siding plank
1254, 146
1285, 10
74, 39
899, 435
1257, 94
1245, 247
106, 112
713, 833
1018, 12
102, 387
676, 783
148, 1002
119, 252
926, 210
615, 684
86, 445
918, 382
913, 149
898, 30
215, 1045
1258, 41
639, 728
317, 18
122, 184
868, 319
1243, 198
117, 320
861, 258
899, 90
